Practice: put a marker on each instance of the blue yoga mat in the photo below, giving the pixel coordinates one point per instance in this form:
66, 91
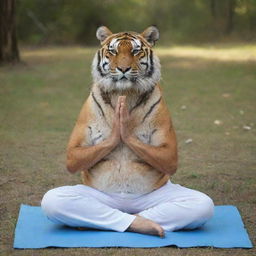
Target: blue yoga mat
224, 230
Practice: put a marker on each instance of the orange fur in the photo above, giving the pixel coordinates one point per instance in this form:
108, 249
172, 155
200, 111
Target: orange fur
142, 164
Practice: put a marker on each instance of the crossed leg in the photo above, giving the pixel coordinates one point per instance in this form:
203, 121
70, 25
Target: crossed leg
169, 208
177, 207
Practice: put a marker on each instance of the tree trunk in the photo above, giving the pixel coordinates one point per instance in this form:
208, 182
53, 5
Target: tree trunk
230, 16
213, 8
8, 41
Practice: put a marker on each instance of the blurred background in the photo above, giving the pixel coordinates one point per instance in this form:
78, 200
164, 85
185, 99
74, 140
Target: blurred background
64, 22
180, 21
207, 50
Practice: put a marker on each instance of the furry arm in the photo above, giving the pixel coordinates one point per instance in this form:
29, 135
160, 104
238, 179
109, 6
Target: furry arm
86, 156
163, 157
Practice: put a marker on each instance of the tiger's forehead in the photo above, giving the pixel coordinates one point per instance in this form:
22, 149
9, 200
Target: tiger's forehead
133, 44
130, 39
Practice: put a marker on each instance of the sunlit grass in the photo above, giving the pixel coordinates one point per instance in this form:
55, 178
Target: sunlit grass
246, 52
219, 53
54, 51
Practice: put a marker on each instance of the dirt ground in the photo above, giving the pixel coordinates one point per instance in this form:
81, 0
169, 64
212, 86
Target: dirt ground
210, 91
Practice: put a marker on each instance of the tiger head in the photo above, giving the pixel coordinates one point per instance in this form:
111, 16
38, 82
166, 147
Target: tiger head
126, 60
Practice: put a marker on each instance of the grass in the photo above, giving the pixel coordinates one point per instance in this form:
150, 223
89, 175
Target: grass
40, 101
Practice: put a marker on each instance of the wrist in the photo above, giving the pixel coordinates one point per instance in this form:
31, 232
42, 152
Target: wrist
113, 141
128, 140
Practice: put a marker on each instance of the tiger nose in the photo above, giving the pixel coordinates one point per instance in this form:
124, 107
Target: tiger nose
123, 69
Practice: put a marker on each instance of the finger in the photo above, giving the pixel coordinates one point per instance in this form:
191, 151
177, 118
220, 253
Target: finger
118, 105
119, 99
117, 109
123, 115
122, 101
122, 98
124, 110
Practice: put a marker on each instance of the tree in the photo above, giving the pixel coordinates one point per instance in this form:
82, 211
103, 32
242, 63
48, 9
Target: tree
230, 16
213, 8
9, 52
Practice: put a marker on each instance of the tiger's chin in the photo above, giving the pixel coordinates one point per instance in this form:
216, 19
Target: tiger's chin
123, 84
110, 85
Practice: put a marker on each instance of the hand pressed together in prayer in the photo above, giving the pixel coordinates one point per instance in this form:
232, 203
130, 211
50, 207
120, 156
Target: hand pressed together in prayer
121, 130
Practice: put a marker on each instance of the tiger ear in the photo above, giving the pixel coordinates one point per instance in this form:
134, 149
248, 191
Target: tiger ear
151, 34
102, 33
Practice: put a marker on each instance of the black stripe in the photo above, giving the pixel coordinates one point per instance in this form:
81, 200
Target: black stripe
150, 138
118, 39
151, 69
108, 45
106, 97
104, 159
143, 54
136, 44
144, 63
98, 137
95, 139
151, 109
143, 98
134, 37
153, 131
147, 55
104, 64
90, 128
98, 104
128, 36
98, 64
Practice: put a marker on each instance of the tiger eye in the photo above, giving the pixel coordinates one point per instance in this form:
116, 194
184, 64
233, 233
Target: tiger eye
112, 51
136, 52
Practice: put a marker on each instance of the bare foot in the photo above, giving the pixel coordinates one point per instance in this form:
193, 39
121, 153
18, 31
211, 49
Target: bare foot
146, 226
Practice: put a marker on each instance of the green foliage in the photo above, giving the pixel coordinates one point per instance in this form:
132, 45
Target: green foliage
65, 21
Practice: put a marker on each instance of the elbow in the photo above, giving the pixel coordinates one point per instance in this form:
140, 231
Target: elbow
173, 164
70, 163
171, 167
70, 167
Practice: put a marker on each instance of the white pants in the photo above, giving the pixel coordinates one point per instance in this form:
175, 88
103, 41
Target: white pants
171, 206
